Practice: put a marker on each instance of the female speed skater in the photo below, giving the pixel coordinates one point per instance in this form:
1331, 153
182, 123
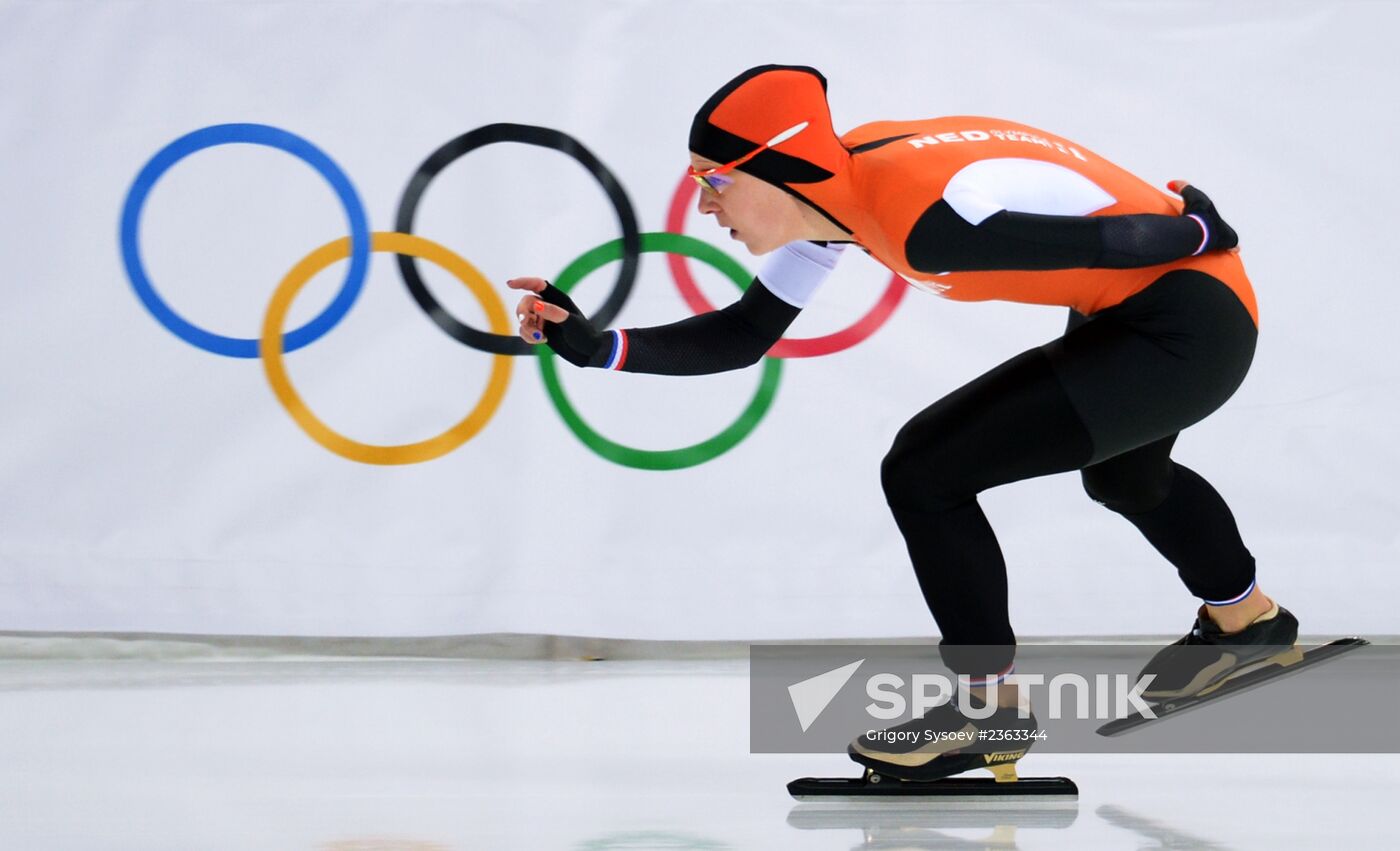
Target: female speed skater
1162, 329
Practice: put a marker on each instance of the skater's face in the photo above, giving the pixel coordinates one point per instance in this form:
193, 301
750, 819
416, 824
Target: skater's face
758, 214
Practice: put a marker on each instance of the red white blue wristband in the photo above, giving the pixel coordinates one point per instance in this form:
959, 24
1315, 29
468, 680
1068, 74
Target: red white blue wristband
619, 350
1205, 233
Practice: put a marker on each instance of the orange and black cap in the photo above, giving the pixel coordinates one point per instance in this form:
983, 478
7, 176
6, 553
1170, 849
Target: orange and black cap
761, 103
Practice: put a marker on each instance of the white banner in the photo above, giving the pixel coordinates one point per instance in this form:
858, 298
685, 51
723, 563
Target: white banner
166, 165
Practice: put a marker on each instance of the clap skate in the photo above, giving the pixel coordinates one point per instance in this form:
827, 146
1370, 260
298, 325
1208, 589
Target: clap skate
1208, 664
917, 760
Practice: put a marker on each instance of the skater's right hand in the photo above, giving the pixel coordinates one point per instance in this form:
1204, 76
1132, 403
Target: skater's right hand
1218, 235
547, 315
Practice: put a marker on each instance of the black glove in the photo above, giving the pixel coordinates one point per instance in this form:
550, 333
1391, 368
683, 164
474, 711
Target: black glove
575, 339
1219, 236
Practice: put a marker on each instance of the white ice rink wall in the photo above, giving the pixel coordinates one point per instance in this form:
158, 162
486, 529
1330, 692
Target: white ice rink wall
154, 482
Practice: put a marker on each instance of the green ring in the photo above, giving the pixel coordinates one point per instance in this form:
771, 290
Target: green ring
663, 459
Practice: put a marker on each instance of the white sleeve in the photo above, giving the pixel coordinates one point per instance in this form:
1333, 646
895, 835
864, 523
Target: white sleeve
793, 272
986, 187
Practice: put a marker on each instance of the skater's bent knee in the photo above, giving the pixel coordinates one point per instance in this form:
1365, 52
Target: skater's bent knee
922, 481
1126, 494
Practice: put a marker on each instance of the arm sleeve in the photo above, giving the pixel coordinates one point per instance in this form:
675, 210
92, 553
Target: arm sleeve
1014, 213
943, 241
736, 336
732, 338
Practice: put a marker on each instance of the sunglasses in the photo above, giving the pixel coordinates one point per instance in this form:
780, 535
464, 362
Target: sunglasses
714, 180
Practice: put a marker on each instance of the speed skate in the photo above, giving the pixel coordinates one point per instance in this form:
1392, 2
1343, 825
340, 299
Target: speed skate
1296, 660
926, 759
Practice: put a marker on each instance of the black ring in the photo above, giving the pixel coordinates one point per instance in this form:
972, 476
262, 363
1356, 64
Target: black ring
544, 137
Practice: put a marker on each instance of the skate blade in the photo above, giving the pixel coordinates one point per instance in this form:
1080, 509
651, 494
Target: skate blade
962, 791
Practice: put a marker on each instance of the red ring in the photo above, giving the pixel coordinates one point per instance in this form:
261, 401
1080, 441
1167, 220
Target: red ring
809, 347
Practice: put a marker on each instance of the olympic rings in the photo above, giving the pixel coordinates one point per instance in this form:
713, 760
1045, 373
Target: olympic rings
669, 459
255, 134
785, 348
272, 344
525, 134
409, 453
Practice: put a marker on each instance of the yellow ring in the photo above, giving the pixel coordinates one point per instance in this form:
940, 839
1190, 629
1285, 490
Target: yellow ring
270, 350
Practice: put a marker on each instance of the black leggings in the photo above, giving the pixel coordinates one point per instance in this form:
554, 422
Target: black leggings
1108, 399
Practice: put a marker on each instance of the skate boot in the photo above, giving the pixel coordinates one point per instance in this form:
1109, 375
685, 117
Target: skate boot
1205, 658
945, 742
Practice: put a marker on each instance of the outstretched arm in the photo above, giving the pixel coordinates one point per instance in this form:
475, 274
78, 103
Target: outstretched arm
732, 338
945, 240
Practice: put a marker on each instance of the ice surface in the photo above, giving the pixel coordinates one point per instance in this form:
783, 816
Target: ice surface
415, 755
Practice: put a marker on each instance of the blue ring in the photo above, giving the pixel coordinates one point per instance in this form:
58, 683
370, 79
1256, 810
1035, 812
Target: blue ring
254, 134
